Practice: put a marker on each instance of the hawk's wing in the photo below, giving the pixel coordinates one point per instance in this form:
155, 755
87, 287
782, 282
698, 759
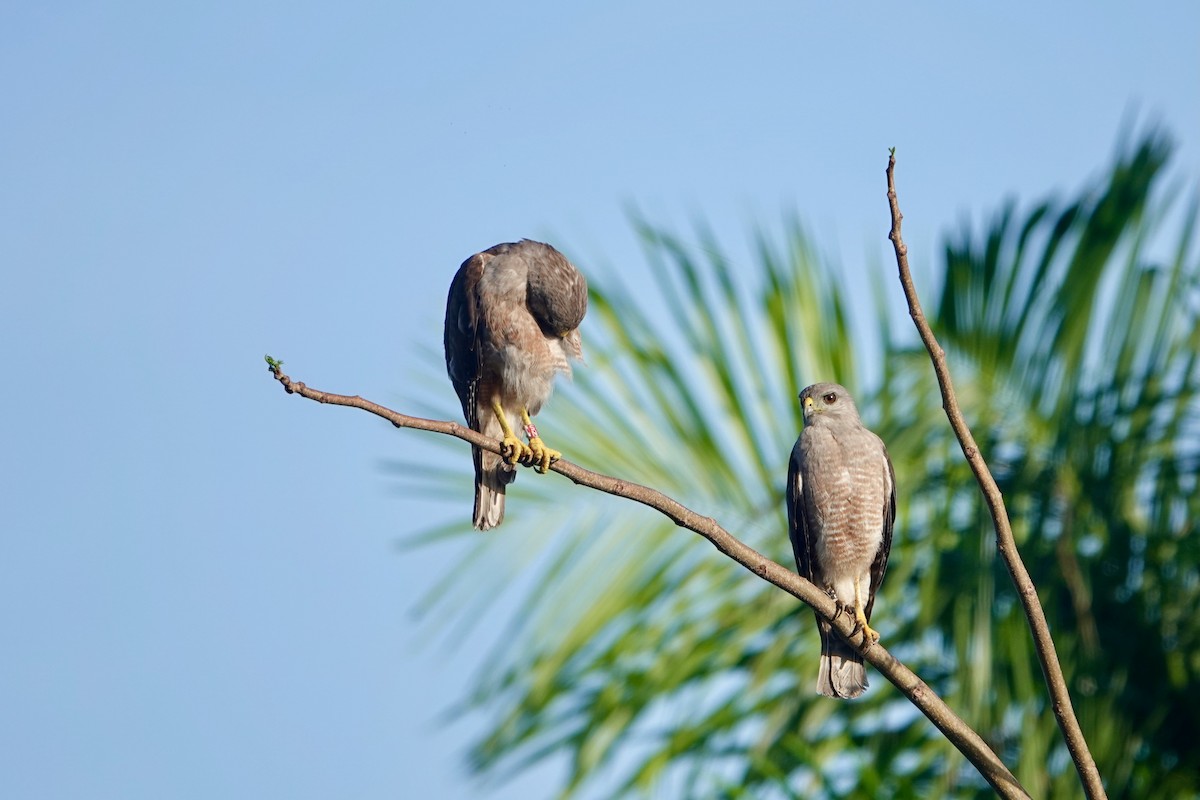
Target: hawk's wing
461, 336
798, 531
879, 565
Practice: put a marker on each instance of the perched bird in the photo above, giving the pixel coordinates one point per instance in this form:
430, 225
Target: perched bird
512, 324
841, 503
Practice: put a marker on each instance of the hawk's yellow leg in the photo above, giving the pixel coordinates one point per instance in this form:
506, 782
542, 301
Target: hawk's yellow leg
542, 455
516, 450
860, 616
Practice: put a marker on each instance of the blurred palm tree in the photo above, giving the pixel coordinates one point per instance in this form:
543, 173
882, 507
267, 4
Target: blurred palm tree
665, 670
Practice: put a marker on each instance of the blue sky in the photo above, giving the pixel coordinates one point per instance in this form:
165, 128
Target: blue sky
201, 593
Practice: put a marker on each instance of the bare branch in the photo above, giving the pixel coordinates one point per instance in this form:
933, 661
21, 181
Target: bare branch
968, 742
1060, 698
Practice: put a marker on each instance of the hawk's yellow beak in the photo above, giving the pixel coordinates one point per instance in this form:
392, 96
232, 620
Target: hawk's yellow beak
808, 403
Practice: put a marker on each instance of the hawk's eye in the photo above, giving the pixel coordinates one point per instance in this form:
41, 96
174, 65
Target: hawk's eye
830, 399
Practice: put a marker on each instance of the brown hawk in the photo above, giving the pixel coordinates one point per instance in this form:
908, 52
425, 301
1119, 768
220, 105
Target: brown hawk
841, 503
512, 324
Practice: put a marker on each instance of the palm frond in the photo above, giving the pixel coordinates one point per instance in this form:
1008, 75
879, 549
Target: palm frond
657, 666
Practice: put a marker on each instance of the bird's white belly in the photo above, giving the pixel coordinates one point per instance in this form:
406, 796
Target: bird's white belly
528, 377
845, 562
852, 536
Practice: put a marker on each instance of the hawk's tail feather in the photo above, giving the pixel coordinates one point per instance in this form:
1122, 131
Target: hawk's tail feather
842, 672
492, 475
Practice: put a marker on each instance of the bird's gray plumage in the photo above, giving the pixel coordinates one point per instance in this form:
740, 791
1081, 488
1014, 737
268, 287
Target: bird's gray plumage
512, 324
841, 503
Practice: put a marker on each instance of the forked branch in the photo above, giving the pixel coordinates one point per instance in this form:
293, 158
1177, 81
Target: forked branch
931, 705
1059, 696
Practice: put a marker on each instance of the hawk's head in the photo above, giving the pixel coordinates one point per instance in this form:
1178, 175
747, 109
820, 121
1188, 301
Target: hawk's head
828, 401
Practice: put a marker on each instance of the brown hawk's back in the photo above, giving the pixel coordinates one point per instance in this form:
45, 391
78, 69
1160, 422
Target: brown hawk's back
512, 324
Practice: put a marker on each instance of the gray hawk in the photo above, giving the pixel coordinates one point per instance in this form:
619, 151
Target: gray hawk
512, 324
841, 503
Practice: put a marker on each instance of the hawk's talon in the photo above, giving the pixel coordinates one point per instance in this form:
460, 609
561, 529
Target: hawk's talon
838, 605
514, 451
542, 456
860, 616
870, 635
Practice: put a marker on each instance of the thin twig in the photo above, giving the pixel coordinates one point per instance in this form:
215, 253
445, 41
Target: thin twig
931, 705
1060, 698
